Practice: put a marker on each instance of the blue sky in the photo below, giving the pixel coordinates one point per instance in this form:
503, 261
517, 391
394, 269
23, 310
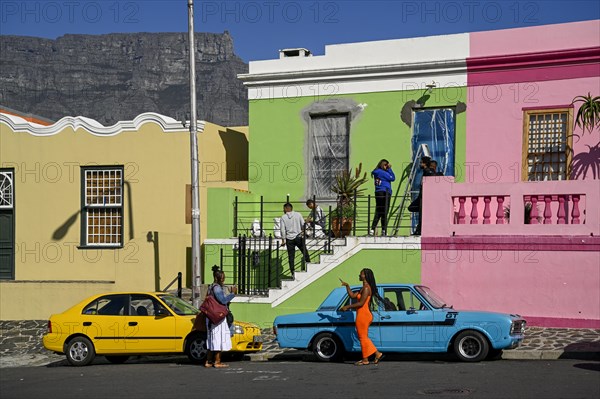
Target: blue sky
260, 28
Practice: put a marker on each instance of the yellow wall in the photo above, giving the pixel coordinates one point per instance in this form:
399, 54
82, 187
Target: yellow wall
51, 272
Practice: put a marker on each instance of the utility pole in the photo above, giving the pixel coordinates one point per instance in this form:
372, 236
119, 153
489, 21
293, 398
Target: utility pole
196, 273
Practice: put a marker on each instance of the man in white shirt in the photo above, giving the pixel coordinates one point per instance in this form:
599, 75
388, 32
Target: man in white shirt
291, 234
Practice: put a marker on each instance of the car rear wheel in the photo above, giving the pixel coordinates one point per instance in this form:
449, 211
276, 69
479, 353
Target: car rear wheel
80, 351
196, 348
471, 346
117, 359
327, 348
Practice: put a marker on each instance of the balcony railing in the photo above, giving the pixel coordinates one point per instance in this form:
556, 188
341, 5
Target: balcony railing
523, 208
256, 218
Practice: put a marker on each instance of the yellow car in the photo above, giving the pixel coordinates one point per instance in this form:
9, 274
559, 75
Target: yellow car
117, 325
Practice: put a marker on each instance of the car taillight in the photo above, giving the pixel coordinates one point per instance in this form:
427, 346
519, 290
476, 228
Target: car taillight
49, 327
274, 330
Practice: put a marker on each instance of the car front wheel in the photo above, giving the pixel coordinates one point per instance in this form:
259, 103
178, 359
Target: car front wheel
327, 348
196, 348
80, 351
471, 346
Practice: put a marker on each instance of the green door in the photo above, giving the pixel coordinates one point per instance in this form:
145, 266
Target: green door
7, 226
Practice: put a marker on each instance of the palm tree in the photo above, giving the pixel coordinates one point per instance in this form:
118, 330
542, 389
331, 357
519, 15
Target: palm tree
588, 116
347, 187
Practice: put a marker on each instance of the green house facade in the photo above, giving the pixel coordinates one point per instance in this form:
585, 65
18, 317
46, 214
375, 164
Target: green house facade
313, 116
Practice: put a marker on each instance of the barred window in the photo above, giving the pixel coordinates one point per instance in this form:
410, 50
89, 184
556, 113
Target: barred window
102, 206
6, 190
547, 138
328, 152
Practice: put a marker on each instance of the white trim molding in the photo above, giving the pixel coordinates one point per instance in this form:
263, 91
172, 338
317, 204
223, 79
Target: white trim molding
167, 124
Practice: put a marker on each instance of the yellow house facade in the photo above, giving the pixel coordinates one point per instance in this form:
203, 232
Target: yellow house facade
87, 209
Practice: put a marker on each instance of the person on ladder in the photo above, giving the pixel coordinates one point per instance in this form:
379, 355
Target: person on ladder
416, 205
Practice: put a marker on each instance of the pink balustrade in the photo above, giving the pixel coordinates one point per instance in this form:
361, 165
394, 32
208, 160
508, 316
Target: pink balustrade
523, 208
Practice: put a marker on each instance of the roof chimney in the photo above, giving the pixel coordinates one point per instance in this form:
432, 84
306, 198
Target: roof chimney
294, 52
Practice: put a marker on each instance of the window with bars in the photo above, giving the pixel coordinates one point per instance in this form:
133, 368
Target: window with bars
102, 206
547, 138
328, 153
6, 189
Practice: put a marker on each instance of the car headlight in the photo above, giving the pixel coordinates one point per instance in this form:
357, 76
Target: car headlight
237, 329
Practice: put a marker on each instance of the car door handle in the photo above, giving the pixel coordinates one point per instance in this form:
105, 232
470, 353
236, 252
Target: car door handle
386, 317
87, 323
133, 323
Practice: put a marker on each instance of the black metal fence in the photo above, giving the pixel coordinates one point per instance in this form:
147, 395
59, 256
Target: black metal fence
260, 263
257, 218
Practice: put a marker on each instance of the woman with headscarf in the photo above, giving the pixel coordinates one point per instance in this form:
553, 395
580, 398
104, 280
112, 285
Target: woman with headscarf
218, 336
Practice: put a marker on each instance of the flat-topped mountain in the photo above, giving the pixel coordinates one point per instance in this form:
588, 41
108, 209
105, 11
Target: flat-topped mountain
118, 76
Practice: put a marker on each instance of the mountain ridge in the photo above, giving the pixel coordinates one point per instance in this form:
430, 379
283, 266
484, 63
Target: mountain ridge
117, 76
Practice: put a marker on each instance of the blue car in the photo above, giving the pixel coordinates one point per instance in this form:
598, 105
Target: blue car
412, 318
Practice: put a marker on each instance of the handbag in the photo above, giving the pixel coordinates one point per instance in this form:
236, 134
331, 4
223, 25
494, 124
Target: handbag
229, 319
200, 322
213, 309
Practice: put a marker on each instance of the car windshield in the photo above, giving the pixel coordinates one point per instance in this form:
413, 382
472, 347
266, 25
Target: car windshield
431, 297
178, 305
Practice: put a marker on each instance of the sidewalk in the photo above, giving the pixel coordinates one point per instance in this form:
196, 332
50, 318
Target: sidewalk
539, 344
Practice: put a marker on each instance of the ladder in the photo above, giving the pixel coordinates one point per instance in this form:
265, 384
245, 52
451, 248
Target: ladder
422, 150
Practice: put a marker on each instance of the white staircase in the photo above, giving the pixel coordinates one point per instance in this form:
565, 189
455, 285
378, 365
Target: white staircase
329, 262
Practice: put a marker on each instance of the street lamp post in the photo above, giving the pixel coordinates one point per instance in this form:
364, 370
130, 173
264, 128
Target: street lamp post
196, 274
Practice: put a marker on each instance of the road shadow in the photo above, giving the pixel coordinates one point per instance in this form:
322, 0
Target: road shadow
589, 350
588, 366
306, 356
179, 360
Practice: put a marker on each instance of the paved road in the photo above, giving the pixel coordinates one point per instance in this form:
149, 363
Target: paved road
393, 378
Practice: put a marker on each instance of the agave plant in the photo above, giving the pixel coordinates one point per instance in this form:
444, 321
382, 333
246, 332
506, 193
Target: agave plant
347, 186
588, 116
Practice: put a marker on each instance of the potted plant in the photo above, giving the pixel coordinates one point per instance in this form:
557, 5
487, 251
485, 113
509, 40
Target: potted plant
588, 115
347, 186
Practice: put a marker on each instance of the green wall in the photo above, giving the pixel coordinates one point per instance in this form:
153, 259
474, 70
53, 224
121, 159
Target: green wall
389, 266
221, 214
278, 132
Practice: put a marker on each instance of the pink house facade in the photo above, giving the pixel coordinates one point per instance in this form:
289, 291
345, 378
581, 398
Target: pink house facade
522, 232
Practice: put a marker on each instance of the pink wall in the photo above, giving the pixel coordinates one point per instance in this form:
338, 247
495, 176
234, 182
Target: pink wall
554, 289
495, 125
535, 39
547, 272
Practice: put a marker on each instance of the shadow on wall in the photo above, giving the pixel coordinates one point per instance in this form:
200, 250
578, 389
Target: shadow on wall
406, 114
584, 162
236, 155
63, 229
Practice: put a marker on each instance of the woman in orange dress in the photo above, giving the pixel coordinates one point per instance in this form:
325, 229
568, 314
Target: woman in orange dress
364, 317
